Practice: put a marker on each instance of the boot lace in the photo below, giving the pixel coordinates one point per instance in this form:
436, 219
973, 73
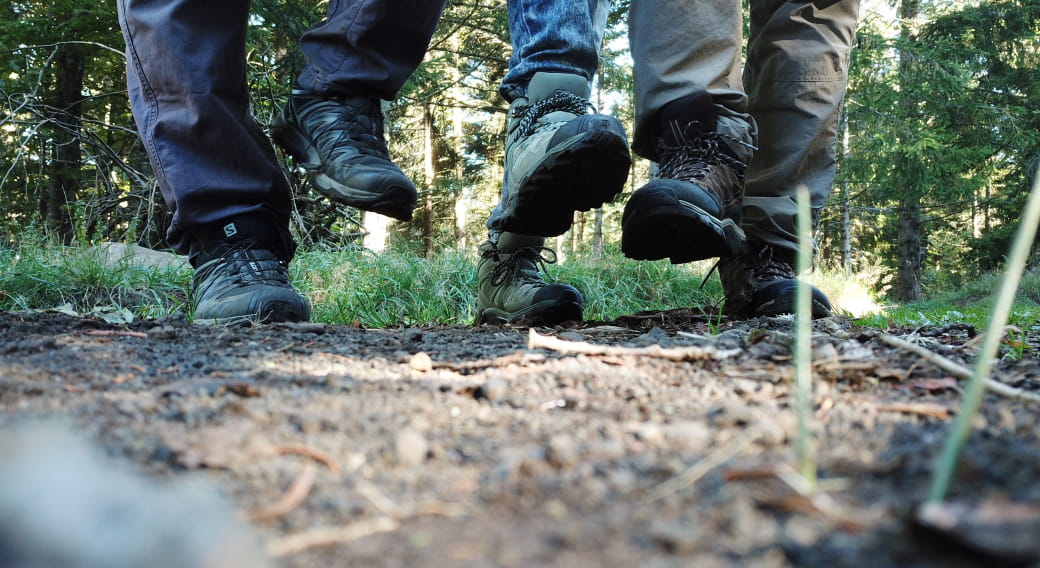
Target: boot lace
240, 266
561, 100
336, 124
760, 266
508, 262
692, 157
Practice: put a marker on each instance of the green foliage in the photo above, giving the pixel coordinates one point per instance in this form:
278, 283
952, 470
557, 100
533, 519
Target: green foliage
968, 302
950, 117
39, 273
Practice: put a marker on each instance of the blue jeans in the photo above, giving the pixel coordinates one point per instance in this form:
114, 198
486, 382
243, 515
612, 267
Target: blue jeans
554, 36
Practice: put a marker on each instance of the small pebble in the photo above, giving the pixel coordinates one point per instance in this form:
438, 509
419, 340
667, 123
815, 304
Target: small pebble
421, 362
495, 389
411, 447
561, 452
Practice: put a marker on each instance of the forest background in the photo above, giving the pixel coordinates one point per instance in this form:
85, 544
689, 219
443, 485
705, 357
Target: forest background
939, 136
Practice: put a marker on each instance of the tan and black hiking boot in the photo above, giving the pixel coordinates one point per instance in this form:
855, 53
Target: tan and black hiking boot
511, 290
340, 142
691, 209
559, 157
763, 283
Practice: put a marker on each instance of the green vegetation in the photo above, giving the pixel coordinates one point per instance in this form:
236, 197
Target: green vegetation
397, 287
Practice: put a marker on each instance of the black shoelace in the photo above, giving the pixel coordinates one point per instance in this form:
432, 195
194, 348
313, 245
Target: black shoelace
559, 101
693, 156
240, 266
509, 260
335, 123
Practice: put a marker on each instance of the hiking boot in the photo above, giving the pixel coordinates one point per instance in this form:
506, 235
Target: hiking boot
340, 142
691, 210
238, 284
510, 289
763, 283
559, 158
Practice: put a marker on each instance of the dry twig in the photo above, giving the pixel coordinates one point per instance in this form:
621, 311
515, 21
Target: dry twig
538, 341
117, 333
327, 536
309, 452
698, 470
922, 408
958, 370
292, 498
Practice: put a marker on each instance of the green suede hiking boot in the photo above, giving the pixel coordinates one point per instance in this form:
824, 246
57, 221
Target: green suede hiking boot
691, 209
236, 284
559, 158
510, 289
763, 283
340, 143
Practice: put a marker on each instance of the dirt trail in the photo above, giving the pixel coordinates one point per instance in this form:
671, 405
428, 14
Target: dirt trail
460, 446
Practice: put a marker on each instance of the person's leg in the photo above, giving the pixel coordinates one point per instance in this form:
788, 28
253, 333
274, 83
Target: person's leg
187, 85
363, 51
559, 157
217, 171
795, 76
691, 120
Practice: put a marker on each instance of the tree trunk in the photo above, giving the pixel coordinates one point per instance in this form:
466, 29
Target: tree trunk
846, 201
911, 257
597, 233
67, 157
910, 237
431, 179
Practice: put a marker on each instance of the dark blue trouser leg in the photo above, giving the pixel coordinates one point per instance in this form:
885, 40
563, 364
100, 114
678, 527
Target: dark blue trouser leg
186, 78
368, 46
187, 84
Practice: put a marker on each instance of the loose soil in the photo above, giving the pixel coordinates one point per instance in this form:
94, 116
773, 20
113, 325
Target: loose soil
463, 446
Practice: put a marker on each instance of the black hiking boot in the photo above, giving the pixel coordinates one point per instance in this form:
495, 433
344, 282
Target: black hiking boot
559, 158
235, 283
763, 283
510, 289
340, 143
691, 210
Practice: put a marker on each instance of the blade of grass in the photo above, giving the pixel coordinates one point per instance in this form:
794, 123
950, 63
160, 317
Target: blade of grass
803, 342
1002, 303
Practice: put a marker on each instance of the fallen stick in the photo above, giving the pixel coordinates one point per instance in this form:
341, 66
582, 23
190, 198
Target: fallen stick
719, 456
538, 341
117, 333
292, 498
958, 370
327, 536
930, 410
309, 452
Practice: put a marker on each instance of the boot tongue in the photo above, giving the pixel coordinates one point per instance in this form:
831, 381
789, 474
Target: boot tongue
698, 107
543, 85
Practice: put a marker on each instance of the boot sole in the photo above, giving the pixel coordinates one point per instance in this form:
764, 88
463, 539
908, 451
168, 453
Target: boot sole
583, 176
275, 312
538, 314
397, 202
658, 225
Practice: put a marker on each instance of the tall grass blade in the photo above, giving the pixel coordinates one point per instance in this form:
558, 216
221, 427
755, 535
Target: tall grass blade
1002, 303
803, 341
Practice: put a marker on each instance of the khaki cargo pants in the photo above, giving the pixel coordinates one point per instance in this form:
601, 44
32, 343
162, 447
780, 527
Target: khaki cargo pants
793, 83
